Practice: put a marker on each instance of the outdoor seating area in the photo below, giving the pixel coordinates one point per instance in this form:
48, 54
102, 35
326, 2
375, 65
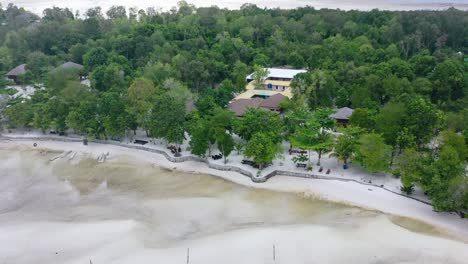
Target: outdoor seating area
248, 162
217, 157
320, 170
297, 151
254, 165
174, 150
52, 132
140, 142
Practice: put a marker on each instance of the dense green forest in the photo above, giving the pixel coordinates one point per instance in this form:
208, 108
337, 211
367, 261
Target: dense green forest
404, 73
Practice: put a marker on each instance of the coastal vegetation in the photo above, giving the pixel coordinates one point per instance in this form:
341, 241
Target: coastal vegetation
173, 74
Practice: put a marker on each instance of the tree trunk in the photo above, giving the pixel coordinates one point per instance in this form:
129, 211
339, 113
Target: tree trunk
319, 157
308, 161
222, 152
392, 156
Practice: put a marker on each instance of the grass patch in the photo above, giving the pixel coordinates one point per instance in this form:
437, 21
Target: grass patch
6, 91
3, 84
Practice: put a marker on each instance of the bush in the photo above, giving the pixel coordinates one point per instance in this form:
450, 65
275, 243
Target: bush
3, 84
299, 158
407, 189
396, 173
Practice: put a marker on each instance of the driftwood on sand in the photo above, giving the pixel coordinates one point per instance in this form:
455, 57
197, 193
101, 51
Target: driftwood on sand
102, 158
61, 156
72, 156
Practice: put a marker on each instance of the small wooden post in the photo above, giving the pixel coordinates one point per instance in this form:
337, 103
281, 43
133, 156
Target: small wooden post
188, 255
274, 253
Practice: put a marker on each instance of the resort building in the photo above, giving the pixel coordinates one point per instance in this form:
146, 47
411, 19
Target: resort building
278, 74
342, 116
15, 73
275, 88
277, 81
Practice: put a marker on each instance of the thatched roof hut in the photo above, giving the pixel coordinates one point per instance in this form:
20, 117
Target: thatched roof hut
16, 72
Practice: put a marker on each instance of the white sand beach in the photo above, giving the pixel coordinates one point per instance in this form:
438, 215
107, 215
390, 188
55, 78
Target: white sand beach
59, 205
352, 193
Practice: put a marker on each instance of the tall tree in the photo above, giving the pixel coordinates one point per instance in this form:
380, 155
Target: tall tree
225, 144
259, 120
95, 57
389, 123
412, 166
262, 148
346, 145
85, 118
446, 172
200, 136
116, 12
259, 76
363, 118
456, 141
373, 154
114, 117
422, 120
140, 97
310, 136
167, 119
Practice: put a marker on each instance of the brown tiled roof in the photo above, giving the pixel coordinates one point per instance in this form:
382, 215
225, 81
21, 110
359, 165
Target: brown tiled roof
239, 106
273, 101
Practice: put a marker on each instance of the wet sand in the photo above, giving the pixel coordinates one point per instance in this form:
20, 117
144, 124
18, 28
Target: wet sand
130, 211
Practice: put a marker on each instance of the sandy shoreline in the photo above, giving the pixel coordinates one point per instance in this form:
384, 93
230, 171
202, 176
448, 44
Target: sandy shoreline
338, 191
